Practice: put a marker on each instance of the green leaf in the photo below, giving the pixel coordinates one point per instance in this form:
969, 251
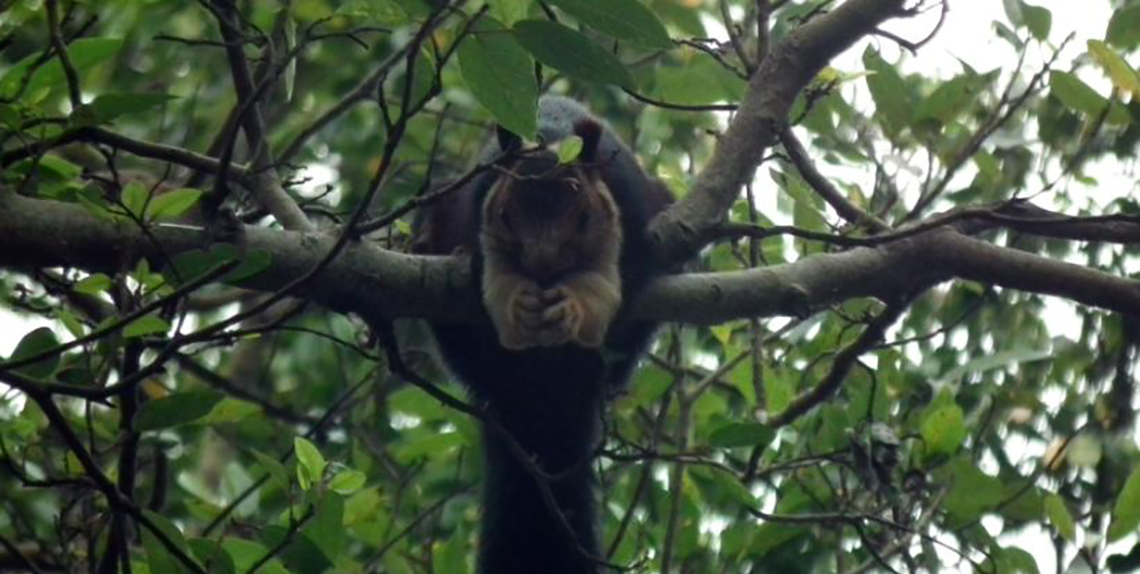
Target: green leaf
1126, 513
107, 107
571, 52
84, 53
1059, 516
273, 467
451, 555
947, 101
971, 491
145, 325
1076, 94
212, 556
160, 559
944, 429
252, 263
1038, 20
34, 343
699, 80
246, 553
807, 214
726, 484
1121, 74
1085, 450
171, 204
1008, 35
624, 20
191, 264
1124, 27
134, 198
326, 529
1014, 560
509, 11
347, 481
569, 149
71, 322
10, 117
59, 167
175, 409
93, 201
500, 75
888, 90
778, 391
736, 434
300, 555
1013, 12
93, 284
310, 463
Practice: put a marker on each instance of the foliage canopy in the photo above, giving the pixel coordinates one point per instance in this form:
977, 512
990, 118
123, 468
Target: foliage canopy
884, 386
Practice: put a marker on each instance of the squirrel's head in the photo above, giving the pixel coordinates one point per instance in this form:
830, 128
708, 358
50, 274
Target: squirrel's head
548, 218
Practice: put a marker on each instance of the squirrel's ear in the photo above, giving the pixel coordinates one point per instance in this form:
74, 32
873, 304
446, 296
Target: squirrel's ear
509, 142
591, 133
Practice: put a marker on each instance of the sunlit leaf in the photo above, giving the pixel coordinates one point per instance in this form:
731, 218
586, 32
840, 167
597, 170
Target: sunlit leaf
569, 149
310, 462
1060, 518
173, 203
944, 429
1123, 76
93, 284
347, 481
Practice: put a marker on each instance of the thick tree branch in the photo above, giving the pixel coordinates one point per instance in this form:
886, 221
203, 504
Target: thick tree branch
686, 227
363, 278
266, 185
374, 282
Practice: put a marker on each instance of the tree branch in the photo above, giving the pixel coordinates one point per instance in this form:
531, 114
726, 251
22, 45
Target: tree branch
685, 228
175, 155
374, 282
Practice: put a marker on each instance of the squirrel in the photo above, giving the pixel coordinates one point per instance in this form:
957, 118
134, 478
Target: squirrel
560, 249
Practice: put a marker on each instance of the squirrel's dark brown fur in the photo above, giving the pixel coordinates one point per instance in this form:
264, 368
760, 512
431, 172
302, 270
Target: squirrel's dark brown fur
559, 248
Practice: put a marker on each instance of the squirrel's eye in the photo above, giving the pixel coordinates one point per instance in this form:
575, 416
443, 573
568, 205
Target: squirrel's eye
506, 220
583, 221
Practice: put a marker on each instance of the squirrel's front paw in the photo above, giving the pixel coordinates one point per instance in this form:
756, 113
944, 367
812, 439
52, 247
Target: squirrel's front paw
523, 322
562, 316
